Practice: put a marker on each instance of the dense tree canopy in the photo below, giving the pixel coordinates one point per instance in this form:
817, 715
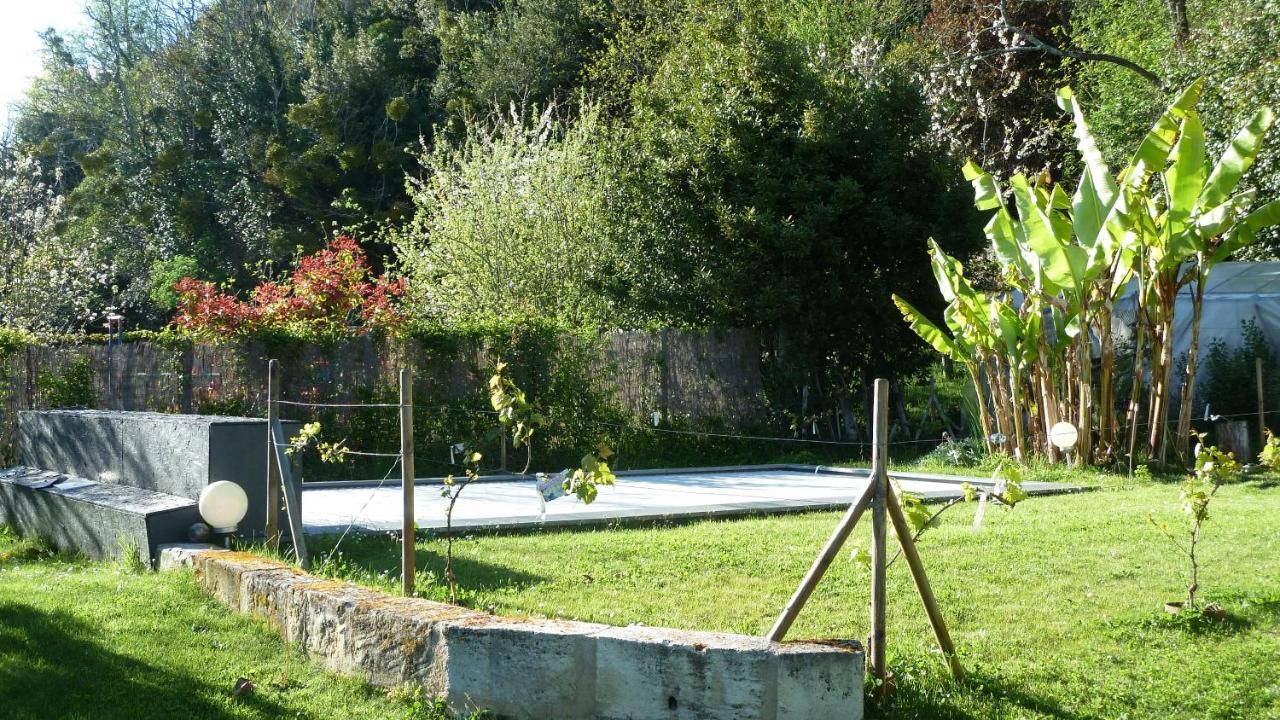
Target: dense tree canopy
775, 164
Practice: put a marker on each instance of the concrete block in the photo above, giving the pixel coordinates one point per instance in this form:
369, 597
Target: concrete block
532, 668
175, 454
687, 675
100, 520
177, 556
81, 443
820, 685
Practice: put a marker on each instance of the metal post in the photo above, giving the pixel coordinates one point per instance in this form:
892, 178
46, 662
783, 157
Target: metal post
879, 545
272, 528
408, 548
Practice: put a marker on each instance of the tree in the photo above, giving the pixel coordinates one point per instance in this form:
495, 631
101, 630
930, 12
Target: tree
48, 282
779, 186
513, 221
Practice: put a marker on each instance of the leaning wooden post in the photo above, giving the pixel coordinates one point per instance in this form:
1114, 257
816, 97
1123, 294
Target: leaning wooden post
408, 548
272, 529
820, 565
1262, 410
912, 556
879, 544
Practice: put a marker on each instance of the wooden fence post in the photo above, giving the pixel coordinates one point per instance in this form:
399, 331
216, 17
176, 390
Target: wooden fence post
408, 548
879, 545
1262, 410
272, 528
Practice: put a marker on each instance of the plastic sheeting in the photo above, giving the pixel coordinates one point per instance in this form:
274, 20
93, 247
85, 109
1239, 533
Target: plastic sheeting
1235, 293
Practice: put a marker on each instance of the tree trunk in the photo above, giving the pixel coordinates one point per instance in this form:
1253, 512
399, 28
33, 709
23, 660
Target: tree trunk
1189, 382
1133, 414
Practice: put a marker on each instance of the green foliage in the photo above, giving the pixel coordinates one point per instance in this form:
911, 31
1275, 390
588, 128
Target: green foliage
329, 452
765, 178
71, 386
512, 406
165, 274
1228, 378
1230, 45
593, 471
1269, 457
1166, 219
513, 222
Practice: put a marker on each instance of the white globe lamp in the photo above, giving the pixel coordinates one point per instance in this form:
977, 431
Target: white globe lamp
1064, 435
223, 505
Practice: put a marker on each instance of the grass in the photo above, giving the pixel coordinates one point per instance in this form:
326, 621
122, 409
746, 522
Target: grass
94, 640
1056, 606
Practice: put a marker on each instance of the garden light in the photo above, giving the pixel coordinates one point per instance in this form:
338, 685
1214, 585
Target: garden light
1064, 435
223, 505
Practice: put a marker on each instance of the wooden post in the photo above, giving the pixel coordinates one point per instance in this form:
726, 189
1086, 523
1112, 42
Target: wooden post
879, 544
503, 454
820, 565
187, 362
272, 529
912, 556
408, 548
292, 495
1262, 410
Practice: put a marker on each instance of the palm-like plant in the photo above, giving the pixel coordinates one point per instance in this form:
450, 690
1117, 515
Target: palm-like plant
1164, 220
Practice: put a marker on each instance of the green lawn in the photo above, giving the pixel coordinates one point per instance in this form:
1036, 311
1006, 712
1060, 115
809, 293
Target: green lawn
85, 640
1056, 606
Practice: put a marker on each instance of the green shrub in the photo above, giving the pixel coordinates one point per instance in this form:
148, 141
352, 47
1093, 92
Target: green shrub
72, 386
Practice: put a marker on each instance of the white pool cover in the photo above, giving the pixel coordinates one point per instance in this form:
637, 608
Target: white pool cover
642, 495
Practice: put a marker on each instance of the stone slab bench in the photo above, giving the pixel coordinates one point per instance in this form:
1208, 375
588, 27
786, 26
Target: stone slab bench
101, 520
535, 669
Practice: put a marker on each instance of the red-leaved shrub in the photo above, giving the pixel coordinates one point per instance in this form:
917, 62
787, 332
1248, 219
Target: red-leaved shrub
331, 294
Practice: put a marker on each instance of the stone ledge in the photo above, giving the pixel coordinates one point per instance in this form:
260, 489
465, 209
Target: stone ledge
535, 669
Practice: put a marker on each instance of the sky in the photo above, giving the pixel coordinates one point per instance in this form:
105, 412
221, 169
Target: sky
21, 21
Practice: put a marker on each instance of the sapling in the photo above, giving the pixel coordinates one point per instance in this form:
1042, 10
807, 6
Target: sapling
517, 415
1006, 490
1213, 468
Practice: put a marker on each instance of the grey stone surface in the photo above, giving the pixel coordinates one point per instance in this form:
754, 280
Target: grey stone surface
537, 669
175, 454
174, 556
100, 520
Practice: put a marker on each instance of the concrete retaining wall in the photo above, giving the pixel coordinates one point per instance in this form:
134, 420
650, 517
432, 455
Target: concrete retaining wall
536, 669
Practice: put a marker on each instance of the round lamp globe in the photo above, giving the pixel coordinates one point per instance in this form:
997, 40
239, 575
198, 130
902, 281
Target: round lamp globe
1064, 435
223, 505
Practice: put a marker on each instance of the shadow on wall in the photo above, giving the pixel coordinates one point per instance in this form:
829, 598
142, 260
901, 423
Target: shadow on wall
52, 666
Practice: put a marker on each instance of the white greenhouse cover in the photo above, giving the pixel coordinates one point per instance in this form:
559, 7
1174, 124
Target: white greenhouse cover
1236, 292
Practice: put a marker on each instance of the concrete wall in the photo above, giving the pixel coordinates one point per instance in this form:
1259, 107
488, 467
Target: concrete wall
175, 454
536, 669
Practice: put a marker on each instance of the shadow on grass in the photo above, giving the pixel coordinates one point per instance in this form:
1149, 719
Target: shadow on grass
942, 702
379, 555
51, 667
1239, 612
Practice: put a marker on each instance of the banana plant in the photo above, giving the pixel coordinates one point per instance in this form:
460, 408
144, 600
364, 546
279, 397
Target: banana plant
1165, 220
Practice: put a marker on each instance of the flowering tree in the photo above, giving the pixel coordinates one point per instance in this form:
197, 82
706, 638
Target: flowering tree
48, 282
332, 293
